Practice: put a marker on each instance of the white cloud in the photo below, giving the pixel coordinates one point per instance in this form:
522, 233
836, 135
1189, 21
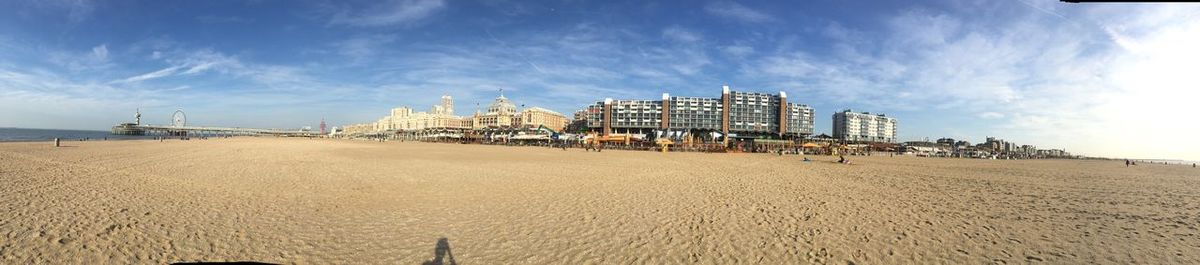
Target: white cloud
200, 68
1155, 93
76, 10
190, 63
991, 115
930, 60
738, 51
732, 10
1031, 77
923, 28
40, 99
578, 65
151, 75
204, 60
680, 34
96, 58
211, 19
511, 7
1088, 88
685, 61
796, 65
395, 12
362, 48
100, 52
241, 94
80, 9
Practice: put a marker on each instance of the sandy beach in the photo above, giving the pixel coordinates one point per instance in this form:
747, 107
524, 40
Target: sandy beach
321, 201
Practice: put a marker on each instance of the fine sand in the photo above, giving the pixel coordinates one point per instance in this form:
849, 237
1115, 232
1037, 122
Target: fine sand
321, 201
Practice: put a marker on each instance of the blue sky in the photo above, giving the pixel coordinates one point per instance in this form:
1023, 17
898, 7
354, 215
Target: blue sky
1097, 79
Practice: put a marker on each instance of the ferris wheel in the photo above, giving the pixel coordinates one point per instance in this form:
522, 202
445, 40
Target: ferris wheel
178, 119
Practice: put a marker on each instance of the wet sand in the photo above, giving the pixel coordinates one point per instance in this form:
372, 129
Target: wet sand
339, 201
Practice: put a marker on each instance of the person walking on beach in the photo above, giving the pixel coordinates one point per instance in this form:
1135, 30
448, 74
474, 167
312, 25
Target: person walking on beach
1126, 162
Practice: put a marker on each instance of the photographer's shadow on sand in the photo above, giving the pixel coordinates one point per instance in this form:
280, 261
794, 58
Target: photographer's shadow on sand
441, 254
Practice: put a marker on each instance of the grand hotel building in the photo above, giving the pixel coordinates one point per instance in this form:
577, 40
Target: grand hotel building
501, 114
737, 114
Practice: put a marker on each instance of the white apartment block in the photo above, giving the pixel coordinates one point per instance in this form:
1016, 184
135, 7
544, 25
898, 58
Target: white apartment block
864, 127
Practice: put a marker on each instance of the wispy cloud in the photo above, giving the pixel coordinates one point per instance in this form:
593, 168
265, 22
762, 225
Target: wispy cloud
75, 10
151, 75
991, 115
390, 13
190, 63
738, 51
211, 19
963, 68
96, 58
735, 11
100, 52
38, 98
237, 88
80, 10
680, 34
1046, 85
363, 48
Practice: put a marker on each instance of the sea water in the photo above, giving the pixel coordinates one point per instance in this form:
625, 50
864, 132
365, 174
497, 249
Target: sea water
23, 134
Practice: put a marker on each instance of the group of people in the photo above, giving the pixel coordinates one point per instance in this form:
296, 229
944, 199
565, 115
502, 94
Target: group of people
1134, 163
590, 147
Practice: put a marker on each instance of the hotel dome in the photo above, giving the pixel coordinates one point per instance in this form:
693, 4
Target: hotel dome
501, 106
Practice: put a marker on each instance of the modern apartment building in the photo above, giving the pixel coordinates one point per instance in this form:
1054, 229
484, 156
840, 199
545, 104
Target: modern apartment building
864, 127
736, 114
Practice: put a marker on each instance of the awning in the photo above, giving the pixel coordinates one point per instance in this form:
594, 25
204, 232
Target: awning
771, 141
531, 137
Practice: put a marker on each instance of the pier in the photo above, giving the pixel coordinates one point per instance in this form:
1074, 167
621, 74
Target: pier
168, 130
179, 128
